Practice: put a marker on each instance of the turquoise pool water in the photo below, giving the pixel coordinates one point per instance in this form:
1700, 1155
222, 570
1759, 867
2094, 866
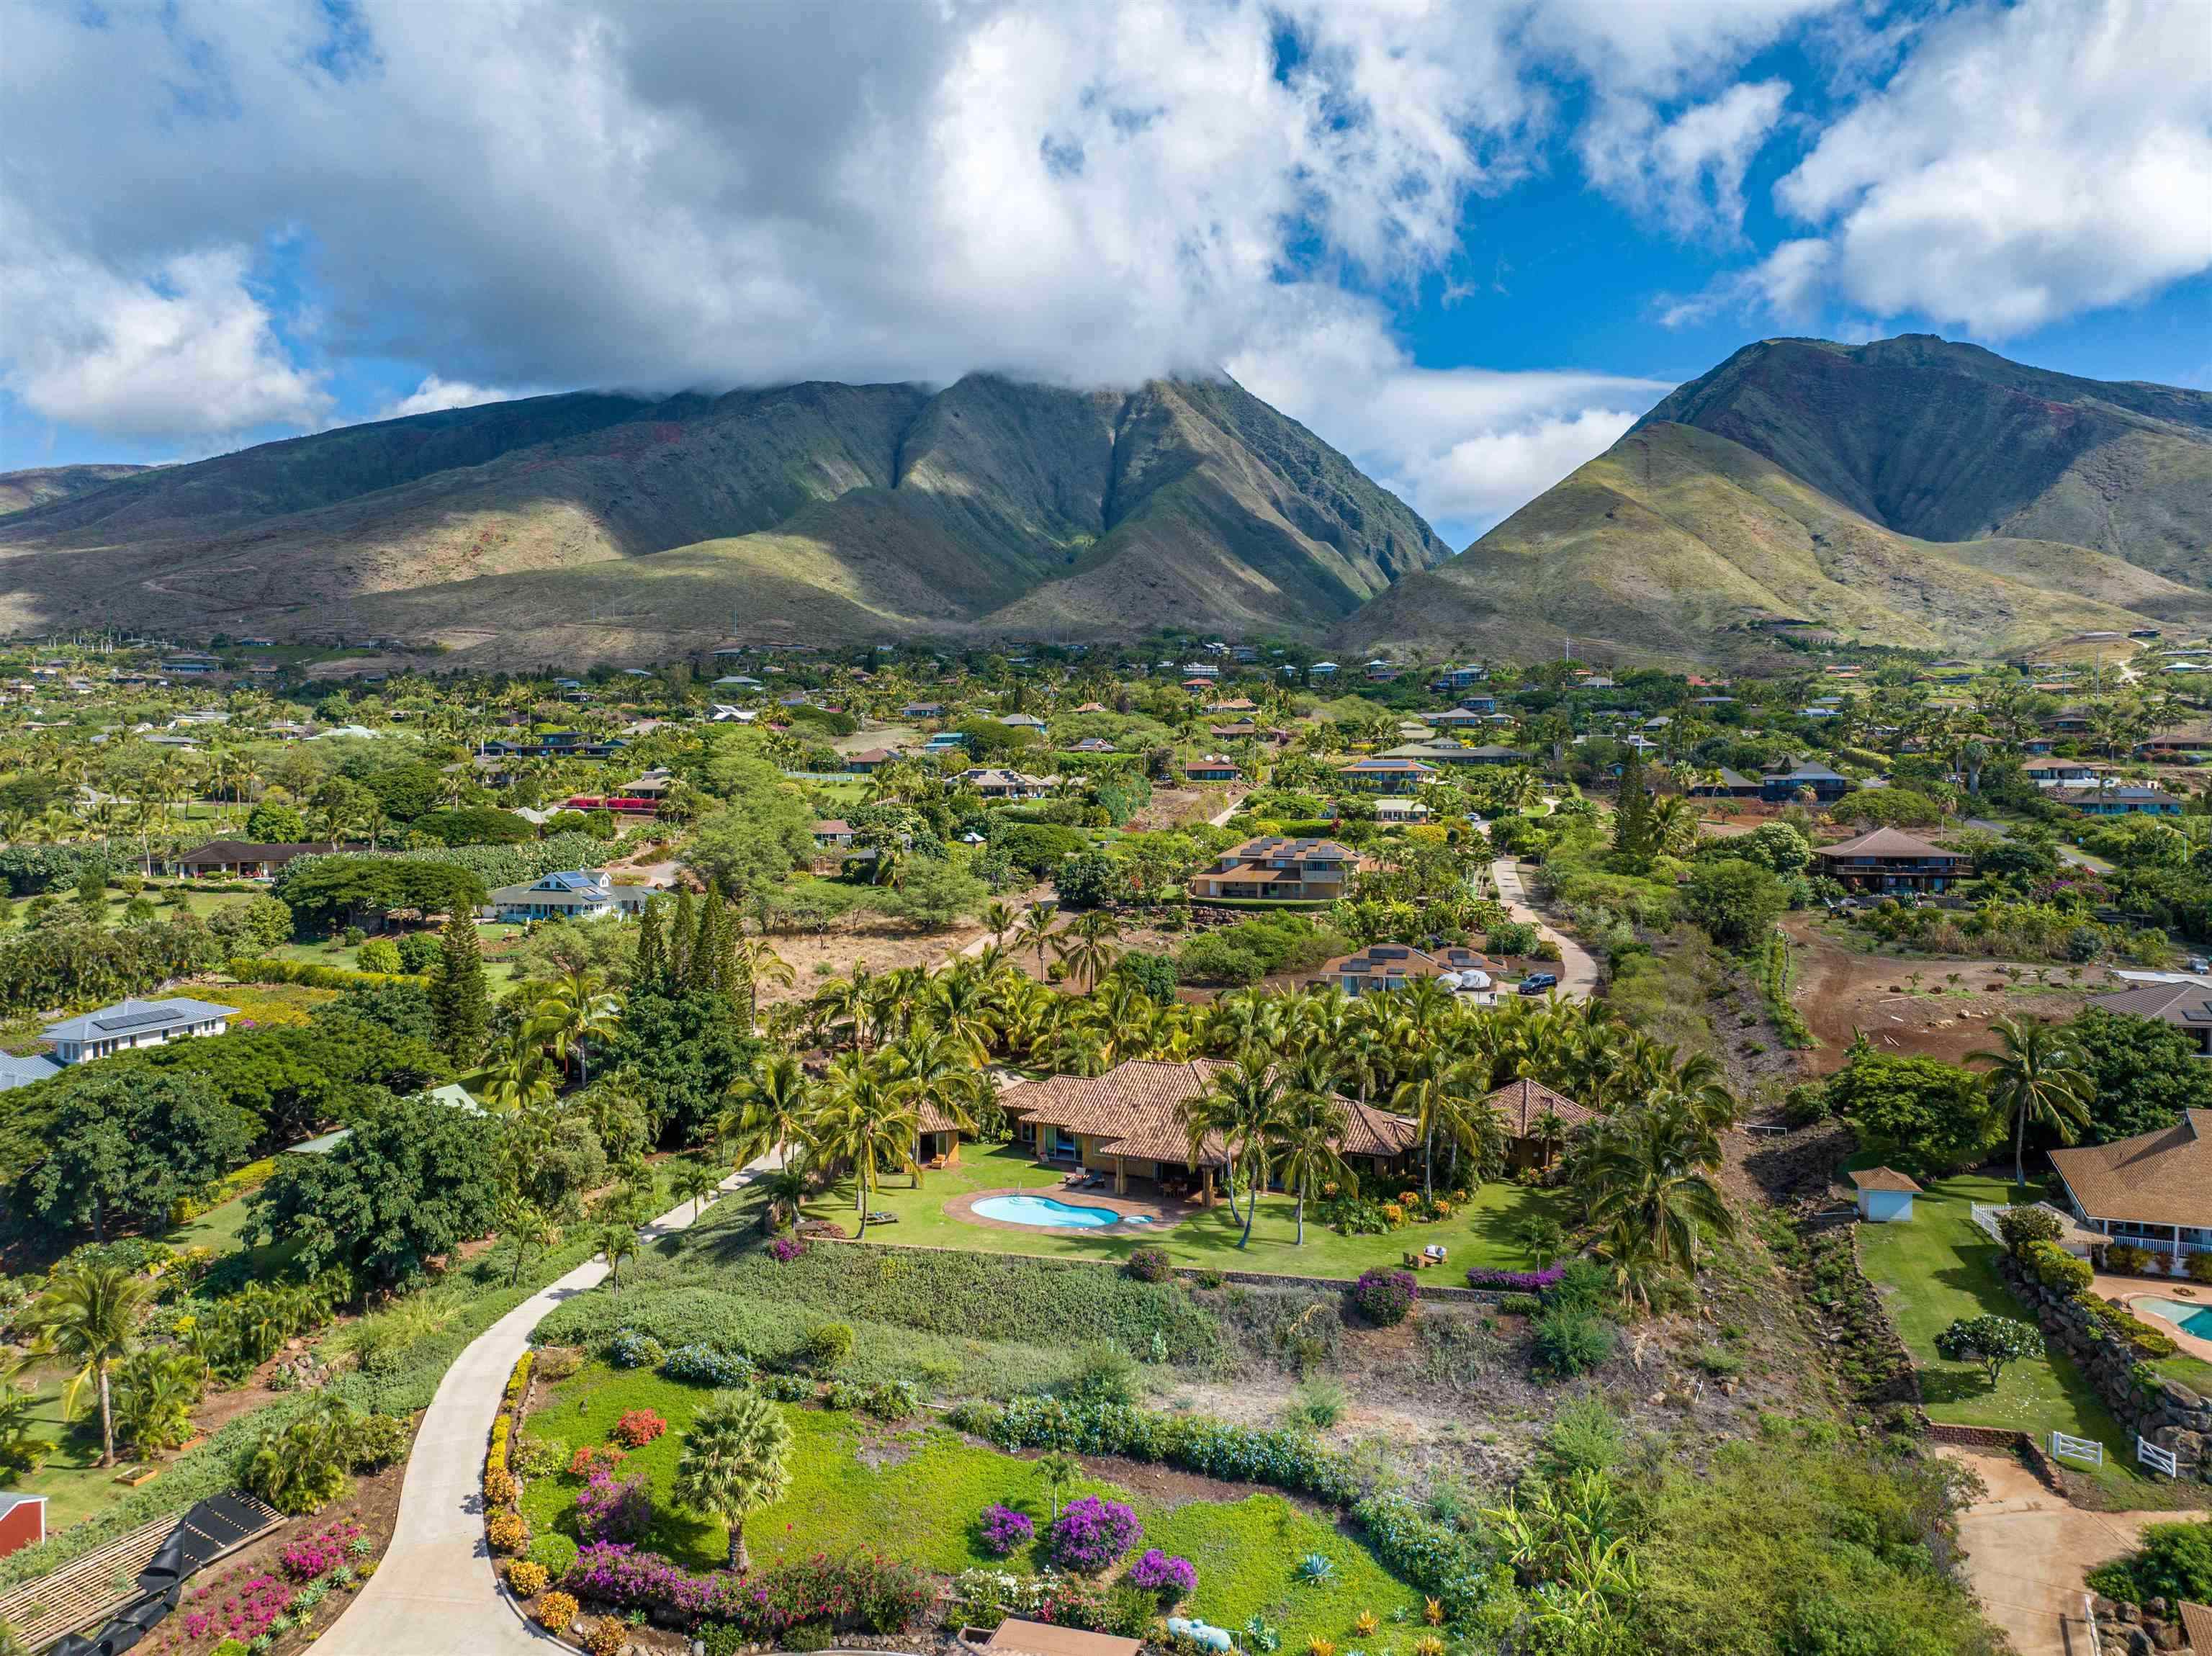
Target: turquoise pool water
2189, 1318
1043, 1210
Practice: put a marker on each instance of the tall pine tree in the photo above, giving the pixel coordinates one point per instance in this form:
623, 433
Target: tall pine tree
683, 933
649, 972
702, 971
1633, 841
459, 1000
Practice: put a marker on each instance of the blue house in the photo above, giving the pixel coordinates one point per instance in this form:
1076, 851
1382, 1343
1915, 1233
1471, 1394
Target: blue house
1885, 1195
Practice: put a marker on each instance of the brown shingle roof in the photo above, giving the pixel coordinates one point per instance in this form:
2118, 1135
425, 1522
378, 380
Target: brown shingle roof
1019, 1638
1886, 842
2186, 1004
1520, 1103
1887, 1179
2196, 1627
2153, 1178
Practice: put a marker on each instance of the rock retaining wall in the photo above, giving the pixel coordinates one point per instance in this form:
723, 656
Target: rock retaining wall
2164, 1411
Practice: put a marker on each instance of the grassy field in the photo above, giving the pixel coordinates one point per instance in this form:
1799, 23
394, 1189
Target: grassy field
1941, 1267
915, 1492
1479, 1234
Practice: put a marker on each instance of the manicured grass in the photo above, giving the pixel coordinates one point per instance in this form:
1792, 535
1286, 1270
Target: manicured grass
1940, 1267
75, 1485
915, 1492
1480, 1234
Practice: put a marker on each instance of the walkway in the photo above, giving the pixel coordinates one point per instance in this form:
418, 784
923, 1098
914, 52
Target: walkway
2028, 1550
1578, 969
433, 1593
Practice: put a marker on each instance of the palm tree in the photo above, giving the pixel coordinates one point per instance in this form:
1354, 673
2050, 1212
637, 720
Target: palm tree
736, 1460
694, 1182
999, 919
577, 1008
1243, 1106
1307, 1136
89, 1316
1646, 1175
1446, 1101
1088, 946
2035, 1075
1035, 930
757, 963
868, 1120
617, 1243
531, 1229
770, 1105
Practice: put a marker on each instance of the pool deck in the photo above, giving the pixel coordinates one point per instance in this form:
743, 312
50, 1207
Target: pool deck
1159, 1213
2128, 1289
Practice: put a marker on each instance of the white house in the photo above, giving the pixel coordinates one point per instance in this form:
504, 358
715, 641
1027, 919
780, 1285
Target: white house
1885, 1195
582, 893
134, 1023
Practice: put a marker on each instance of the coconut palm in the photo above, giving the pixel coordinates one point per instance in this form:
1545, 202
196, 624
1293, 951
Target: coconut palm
1446, 1101
1035, 930
88, 1316
1241, 1105
1646, 1173
577, 1008
694, 1183
999, 919
769, 1105
617, 1243
867, 1121
1088, 948
757, 963
2035, 1075
736, 1460
1307, 1136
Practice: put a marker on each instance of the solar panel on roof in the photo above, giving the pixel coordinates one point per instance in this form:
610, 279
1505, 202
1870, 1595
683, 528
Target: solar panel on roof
117, 1020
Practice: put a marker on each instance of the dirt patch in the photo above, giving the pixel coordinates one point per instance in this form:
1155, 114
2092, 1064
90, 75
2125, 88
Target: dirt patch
1915, 1008
882, 1445
1171, 1488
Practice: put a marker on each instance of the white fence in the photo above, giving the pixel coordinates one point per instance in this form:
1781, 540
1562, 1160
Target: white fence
2158, 1459
2077, 1448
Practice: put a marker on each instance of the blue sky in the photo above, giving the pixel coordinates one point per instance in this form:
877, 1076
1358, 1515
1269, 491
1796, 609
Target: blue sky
1465, 242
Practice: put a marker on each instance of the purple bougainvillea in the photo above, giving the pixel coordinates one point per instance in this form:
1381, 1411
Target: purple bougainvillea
1384, 1295
1517, 1282
1172, 1579
1090, 1533
784, 1249
608, 1509
1004, 1529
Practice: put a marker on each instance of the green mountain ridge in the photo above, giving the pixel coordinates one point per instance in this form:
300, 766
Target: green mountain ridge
596, 525
1909, 492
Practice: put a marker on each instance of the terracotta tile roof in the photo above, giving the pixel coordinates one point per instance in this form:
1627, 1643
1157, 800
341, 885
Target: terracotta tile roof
2154, 1178
1522, 1103
1888, 1178
1132, 1107
2196, 1628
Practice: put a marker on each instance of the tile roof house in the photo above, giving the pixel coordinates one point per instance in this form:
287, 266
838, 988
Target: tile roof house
134, 1023
1382, 967
1288, 871
995, 783
2187, 1006
246, 860
1125, 1122
1890, 859
1521, 1108
2154, 1189
1213, 767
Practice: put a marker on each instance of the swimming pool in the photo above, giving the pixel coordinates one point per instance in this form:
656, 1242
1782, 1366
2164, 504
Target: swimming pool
2189, 1318
1043, 1210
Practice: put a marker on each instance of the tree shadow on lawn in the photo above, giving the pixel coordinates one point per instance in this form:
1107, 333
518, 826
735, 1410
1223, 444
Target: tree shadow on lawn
1980, 1283
1946, 1386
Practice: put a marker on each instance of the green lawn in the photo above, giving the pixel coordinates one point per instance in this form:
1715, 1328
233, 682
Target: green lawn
1479, 1235
1940, 1267
74, 1486
915, 1492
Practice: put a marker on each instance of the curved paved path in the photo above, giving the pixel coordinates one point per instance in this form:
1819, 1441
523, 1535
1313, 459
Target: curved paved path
1578, 969
433, 1593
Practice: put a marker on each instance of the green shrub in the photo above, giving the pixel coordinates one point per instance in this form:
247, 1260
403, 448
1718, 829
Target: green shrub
2174, 1562
2054, 1268
1104, 1373
1582, 1287
1150, 1265
1569, 1342
2021, 1226
828, 1347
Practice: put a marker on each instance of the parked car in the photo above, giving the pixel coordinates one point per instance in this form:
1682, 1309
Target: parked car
1537, 982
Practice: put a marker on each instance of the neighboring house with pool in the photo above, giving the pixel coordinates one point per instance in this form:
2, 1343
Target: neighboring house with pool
2154, 1189
1125, 1123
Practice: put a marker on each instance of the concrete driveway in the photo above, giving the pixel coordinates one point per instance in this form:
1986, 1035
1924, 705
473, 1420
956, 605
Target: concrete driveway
433, 1593
1577, 967
2027, 1551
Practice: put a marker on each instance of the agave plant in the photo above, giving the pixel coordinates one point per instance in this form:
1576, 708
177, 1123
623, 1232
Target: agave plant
1317, 1569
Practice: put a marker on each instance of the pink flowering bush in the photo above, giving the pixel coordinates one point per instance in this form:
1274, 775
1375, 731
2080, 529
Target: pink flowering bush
863, 1589
1004, 1529
611, 1510
320, 1553
236, 1605
784, 1249
1092, 1532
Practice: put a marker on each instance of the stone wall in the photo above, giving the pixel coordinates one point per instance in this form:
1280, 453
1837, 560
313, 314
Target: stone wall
2164, 1411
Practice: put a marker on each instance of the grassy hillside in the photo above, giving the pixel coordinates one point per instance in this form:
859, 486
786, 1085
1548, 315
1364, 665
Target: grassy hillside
1949, 442
1673, 542
21, 490
589, 527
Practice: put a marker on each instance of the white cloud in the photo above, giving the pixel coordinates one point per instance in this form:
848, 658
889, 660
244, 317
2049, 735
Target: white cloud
1687, 172
2023, 165
185, 347
1464, 447
434, 395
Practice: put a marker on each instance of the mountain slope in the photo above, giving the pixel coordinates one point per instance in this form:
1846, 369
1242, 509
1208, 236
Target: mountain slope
21, 490
1674, 543
819, 510
1949, 442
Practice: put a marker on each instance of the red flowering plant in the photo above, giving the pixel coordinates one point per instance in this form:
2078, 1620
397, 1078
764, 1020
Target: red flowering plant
591, 1457
639, 1428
